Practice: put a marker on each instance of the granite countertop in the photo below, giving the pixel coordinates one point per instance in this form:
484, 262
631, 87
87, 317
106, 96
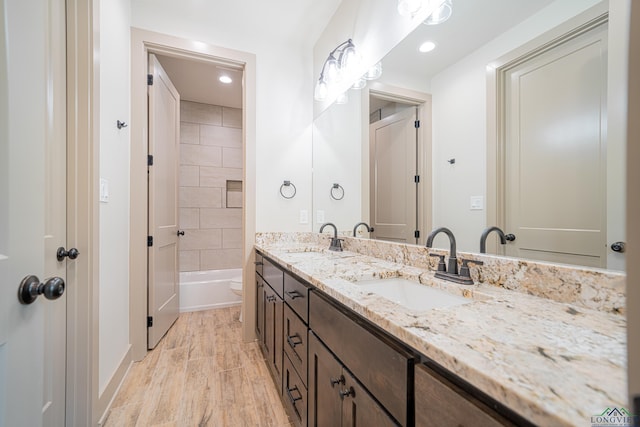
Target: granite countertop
554, 363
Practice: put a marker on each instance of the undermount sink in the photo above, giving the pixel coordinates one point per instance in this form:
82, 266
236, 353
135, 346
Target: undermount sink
412, 295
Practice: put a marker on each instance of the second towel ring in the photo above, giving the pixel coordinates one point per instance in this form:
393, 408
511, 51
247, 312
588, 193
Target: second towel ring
288, 184
341, 192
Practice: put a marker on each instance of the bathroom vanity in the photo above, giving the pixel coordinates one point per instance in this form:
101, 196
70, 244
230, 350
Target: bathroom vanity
341, 355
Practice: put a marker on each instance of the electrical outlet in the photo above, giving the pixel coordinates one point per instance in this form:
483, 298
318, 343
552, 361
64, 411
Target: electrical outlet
320, 217
304, 216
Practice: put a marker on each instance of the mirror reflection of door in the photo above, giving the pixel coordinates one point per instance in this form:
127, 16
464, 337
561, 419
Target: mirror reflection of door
555, 145
394, 166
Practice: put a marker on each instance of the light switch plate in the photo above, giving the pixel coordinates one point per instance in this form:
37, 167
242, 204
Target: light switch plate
320, 217
304, 216
476, 203
104, 190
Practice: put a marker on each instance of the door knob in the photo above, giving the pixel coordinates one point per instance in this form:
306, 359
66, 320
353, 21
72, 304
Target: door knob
61, 253
618, 247
510, 237
180, 233
30, 288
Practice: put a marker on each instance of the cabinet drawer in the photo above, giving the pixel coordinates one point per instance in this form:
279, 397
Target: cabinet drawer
381, 367
258, 263
294, 393
296, 294
273, 275
441, 403
295, 342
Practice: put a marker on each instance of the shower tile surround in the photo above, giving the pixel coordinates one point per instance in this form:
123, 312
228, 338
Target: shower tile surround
210, 154
548, 341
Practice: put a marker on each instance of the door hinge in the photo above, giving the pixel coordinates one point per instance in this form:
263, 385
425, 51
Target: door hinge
149, 321
416, 179
416, 234
150, 79
149, 160
149, 240
416, 124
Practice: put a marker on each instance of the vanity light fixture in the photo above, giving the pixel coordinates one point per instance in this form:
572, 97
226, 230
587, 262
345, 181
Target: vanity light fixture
360, 83
374, 72
442, 9
427, 46
339, 62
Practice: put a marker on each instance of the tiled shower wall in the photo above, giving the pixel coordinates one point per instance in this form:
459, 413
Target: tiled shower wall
210, 155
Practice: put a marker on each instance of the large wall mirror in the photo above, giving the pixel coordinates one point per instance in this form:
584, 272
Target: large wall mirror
467, 179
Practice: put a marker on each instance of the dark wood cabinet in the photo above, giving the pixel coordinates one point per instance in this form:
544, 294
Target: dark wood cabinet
336, 398
440, 403
273, 312
260, 311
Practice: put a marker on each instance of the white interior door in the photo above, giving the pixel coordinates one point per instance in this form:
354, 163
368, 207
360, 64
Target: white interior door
33, 212
555, 187
393, 168
164, 147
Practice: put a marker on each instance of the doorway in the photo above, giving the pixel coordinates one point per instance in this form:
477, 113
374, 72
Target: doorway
143, 43
397, 138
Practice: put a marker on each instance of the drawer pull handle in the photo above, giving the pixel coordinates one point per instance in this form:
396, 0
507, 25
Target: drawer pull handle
271, 298
291, 398
347, 392
292, 343
336, 381
258, 263
294, 294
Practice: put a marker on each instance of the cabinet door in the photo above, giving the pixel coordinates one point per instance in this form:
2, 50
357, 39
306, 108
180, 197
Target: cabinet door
359, 409
273, 311
443, 404
260, 311
325, 381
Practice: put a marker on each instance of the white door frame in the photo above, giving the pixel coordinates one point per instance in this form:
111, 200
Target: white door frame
143, 42
82, 213
423, 102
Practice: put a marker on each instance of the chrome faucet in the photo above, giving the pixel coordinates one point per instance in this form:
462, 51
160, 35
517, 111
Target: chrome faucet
503, 238
453, 261
336, 244
369, 229
451, 273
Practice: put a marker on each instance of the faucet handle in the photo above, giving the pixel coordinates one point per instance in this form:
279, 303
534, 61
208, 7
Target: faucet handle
441, 265
464, 269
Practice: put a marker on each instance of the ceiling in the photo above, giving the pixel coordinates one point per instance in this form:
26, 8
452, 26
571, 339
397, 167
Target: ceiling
473, 24
281, 22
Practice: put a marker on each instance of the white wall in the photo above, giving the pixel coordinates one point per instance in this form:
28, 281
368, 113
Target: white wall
337, 159
115, 18
284, 93
459, 124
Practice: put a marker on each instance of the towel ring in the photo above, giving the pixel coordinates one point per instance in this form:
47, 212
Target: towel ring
336, 187
288, 184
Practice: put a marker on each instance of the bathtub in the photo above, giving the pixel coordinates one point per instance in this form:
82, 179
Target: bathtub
204, 290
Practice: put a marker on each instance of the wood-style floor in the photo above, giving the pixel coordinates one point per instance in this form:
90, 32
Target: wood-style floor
201, 374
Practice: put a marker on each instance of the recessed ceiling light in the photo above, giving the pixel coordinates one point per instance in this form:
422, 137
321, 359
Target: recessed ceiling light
225, 79
427, 46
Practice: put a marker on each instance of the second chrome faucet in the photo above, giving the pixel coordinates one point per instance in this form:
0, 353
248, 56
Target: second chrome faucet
336, 244
451, 273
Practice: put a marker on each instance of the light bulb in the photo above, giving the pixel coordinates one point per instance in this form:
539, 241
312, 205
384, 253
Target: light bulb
348, 57
441, 13
374, 72
321, 90
360, 83
409, 8
332, 70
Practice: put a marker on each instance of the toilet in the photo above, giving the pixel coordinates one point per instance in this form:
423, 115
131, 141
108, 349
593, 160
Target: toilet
236, 288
